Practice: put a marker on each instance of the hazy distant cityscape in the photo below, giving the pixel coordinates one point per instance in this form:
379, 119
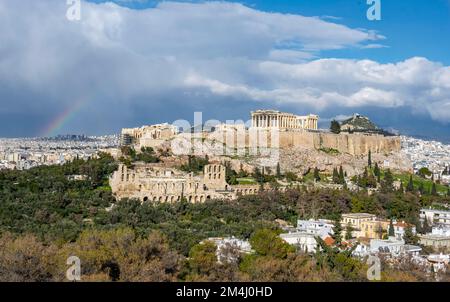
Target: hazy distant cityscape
25, 153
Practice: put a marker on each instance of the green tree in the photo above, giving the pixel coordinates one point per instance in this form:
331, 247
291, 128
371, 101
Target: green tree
335, 127
339, 261
369, 159
410, 186
290, 176
341, 176
266, 242
421, 189
426, 228
387, 185
391, 231
409, 236
278, 170
348, 232
316, 174
376, 170
335, 176
202, 257
434, 190
337, 231
424, 172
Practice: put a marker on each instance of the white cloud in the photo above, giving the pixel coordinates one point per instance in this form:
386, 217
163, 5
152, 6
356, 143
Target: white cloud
115, 55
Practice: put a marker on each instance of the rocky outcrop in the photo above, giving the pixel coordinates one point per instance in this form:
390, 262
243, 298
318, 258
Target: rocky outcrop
353, 144
299, 160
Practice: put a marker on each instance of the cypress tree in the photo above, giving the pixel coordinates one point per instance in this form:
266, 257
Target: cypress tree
348, 232
337, 231
341, 175
391, 228
434, 190
335, 176
376, 170
316, 174
410, 186
369, 159
425, 226
278, 170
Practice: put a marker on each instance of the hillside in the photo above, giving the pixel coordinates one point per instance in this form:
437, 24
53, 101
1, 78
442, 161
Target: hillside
358, 122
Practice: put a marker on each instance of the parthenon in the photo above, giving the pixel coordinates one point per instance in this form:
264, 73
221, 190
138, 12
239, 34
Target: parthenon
282, 120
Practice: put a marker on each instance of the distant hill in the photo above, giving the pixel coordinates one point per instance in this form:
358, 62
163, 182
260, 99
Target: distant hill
360, 123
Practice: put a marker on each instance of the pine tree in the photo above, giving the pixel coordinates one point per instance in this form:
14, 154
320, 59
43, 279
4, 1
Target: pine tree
278, 170
410, 186
369, 159
335, 127
409, 236
388, 183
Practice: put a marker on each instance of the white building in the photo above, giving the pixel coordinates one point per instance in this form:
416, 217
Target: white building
393, 246
306, 242
400, 228
227, 248
307, 231
435, 216
319, 227
441, 230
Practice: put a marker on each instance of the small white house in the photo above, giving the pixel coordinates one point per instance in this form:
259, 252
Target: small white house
319, 227
225, 246
393, 246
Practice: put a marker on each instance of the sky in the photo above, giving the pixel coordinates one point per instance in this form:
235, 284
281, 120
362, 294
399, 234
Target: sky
128, 63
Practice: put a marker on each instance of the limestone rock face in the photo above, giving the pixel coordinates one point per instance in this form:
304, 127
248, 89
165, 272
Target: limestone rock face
354, 144
300, 159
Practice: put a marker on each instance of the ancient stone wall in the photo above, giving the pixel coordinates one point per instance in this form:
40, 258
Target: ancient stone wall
354, 144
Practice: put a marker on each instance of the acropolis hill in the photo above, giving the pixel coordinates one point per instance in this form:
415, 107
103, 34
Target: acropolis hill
273, 139
289, 131
292, 131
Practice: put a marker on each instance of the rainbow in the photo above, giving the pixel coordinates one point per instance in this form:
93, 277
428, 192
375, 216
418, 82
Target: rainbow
58, 122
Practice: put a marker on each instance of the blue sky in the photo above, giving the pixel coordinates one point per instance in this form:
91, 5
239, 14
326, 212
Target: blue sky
412, 27
143, 62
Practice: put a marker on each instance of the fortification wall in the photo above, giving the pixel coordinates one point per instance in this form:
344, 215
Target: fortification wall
354, 144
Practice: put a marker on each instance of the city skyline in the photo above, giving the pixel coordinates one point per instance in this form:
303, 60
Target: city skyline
158, 62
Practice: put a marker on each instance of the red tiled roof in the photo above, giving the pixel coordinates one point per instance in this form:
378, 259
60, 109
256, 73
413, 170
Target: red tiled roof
329, 241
